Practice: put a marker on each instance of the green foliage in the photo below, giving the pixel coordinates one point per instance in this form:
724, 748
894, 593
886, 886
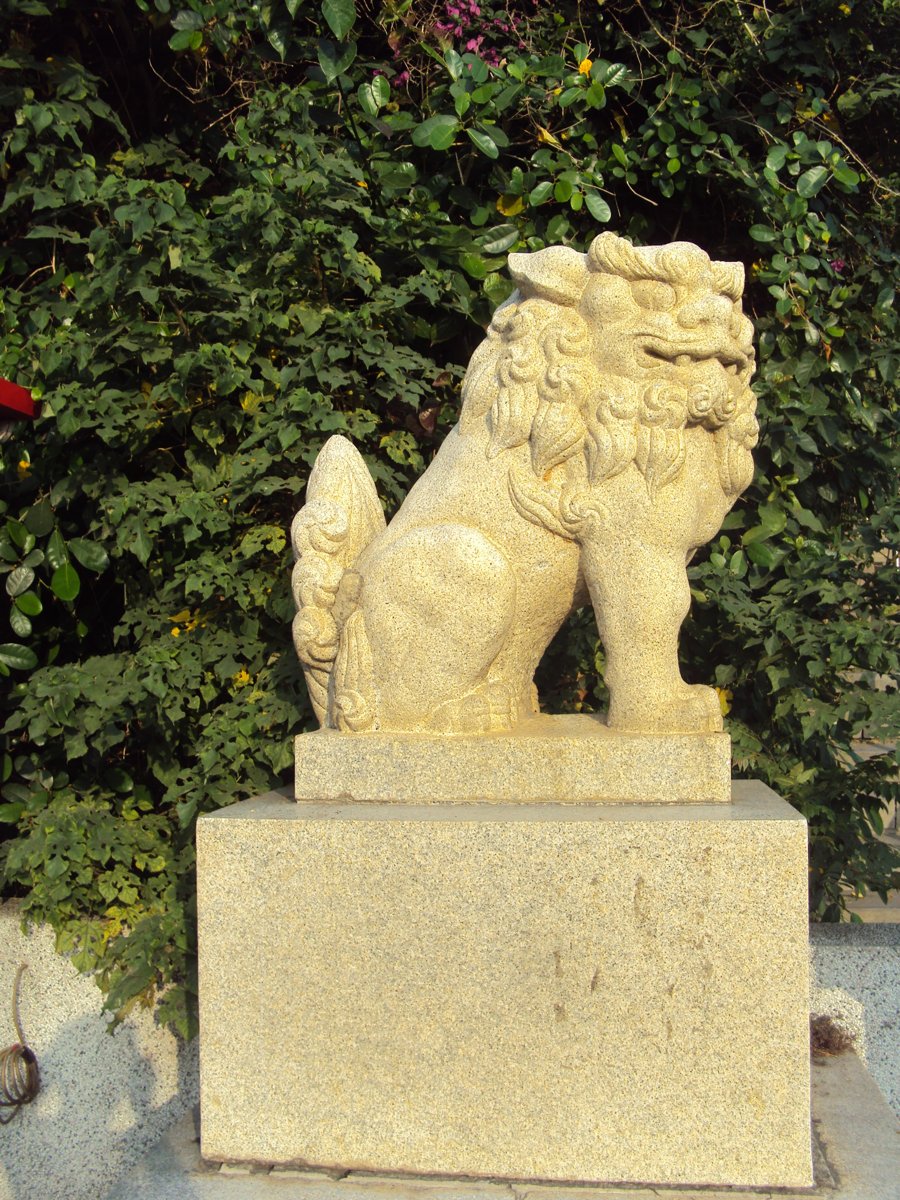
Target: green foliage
231, 230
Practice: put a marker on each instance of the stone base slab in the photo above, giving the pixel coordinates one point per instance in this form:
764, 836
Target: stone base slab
558, 759
601, 994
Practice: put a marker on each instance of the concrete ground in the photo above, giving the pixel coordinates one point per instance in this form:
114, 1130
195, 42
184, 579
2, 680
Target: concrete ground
855, 980
856, 1150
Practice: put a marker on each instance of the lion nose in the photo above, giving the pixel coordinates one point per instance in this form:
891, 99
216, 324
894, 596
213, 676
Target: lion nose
711, 310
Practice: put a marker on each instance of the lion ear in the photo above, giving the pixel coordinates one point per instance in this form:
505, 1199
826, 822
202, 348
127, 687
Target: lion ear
557, 273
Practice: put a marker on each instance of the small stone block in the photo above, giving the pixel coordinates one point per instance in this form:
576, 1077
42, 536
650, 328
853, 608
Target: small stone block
568, 759
539, 992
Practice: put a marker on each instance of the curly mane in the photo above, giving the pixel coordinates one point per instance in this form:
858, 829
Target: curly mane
535, 380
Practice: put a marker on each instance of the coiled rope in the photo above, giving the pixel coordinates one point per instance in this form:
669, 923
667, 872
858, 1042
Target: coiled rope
19, 1079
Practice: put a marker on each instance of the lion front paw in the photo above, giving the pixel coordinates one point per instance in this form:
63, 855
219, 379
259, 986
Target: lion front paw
693, 709
489, 708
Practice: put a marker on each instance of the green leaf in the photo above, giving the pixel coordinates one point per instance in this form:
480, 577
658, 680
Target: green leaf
20, 535
485, 144
57, 551
340, 15
29, 603
21, 658
89, 554
609, 74
763, 233
19, 580
275, 36
569, 96
39, 518
762, 555
497, 288
772, 521
811, 182
183, 39
597, 207
462, 102
366, 98
335, 60
20, 624
141, 546
846, 175
438, 132
500, 239
65, 582
474, 265
542, 192
772, 518
187, 18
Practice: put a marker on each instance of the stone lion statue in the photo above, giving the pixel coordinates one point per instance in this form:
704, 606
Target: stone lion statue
606, 430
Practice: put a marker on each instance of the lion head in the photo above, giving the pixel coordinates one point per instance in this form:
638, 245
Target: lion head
604, 359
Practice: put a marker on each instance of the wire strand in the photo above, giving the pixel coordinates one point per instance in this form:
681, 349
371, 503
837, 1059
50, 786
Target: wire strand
19, 1077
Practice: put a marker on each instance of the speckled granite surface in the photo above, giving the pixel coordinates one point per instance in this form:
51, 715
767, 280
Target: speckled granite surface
538, 991
569, 759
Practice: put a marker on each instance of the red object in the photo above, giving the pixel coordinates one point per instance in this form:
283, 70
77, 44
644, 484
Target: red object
16, 399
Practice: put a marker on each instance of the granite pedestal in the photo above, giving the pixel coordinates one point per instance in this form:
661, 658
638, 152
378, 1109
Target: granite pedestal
606, 993
561, 759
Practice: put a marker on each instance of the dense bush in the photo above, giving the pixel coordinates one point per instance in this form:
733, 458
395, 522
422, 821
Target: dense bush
232, 229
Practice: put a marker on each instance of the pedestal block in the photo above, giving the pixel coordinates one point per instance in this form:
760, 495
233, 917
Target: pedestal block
559, 759
575, 993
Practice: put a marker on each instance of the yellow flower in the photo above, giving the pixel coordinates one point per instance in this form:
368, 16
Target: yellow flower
176, 632
845, 9
725, 697
584, 67
361, 183
241, 679
24, 468
556, 91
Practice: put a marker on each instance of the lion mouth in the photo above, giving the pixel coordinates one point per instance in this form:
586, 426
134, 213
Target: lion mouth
657, 351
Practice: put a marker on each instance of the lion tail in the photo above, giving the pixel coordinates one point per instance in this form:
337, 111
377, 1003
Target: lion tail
342, 514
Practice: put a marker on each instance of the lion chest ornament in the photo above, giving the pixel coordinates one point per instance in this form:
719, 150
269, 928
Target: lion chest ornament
606, 429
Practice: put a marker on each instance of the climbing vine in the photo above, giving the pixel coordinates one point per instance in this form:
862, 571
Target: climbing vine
232, 229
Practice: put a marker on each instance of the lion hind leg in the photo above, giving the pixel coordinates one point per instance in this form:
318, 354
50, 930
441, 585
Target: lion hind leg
439, 605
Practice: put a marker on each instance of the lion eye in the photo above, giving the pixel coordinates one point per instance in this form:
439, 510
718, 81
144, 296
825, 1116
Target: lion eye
650, 293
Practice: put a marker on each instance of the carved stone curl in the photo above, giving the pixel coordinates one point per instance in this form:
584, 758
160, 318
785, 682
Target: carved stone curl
606, 430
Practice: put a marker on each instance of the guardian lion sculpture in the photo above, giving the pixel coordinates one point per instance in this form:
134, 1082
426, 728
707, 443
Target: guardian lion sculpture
606, 429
